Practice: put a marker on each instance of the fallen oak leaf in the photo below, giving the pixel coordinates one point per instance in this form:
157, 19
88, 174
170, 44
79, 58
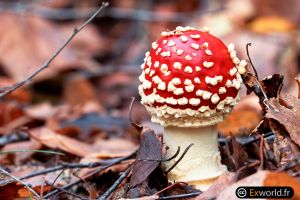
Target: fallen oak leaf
148, 157
272, 85
288, 116
284, 149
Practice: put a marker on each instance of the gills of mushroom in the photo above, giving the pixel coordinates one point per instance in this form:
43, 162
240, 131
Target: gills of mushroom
190, 81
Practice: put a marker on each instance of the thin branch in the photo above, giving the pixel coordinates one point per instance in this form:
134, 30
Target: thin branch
69, 193
135, 125
52, 184
256, 138
20, 181
62, 167
265, 101
89, 175
289, 165
261, 152
170, 187
42, 188
48, 62
115, 185
178, 196
12, 138
298, 83
247, 50
180, 158
253, 164
32, 150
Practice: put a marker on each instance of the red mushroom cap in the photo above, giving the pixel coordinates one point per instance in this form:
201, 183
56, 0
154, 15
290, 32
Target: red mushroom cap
190, 78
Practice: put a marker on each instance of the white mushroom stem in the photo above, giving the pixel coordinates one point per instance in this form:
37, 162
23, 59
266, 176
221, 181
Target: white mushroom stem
201, 165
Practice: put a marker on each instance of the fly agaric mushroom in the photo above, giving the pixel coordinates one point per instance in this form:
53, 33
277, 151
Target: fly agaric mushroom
190, 82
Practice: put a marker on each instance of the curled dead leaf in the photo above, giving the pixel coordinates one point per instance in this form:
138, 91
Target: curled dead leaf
286, 111
109, 148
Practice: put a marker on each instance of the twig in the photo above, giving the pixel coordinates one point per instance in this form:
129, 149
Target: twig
269, 153
261, 152
42, 188
170, 187
180, 158
48, 62
32, 150
163, 160
247, 50
298, 82
52, 184
178, 196
253, 164
115, 185
256, 138
90, 175
265, 101
289, 165
20, 181
70, 193
14, 137
64, 166
135, 125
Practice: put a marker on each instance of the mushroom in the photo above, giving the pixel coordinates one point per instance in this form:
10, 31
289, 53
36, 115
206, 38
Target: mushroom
189, 83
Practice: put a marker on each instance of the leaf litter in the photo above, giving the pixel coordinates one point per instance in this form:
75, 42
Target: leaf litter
88, 122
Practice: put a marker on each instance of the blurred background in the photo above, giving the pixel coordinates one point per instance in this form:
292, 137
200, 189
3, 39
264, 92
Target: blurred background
87, 88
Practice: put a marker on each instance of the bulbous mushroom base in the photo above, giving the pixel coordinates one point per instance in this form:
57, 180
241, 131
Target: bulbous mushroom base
201, 165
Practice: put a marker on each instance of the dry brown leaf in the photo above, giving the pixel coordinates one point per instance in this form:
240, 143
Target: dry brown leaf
150, 148
113, 147
101, 149
56, 141
287, 113
28, 41
40, 111
10, 111
10, 191
221, 184
262, 178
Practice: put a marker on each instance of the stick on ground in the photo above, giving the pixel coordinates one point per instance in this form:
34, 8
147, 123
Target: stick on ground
20, 181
